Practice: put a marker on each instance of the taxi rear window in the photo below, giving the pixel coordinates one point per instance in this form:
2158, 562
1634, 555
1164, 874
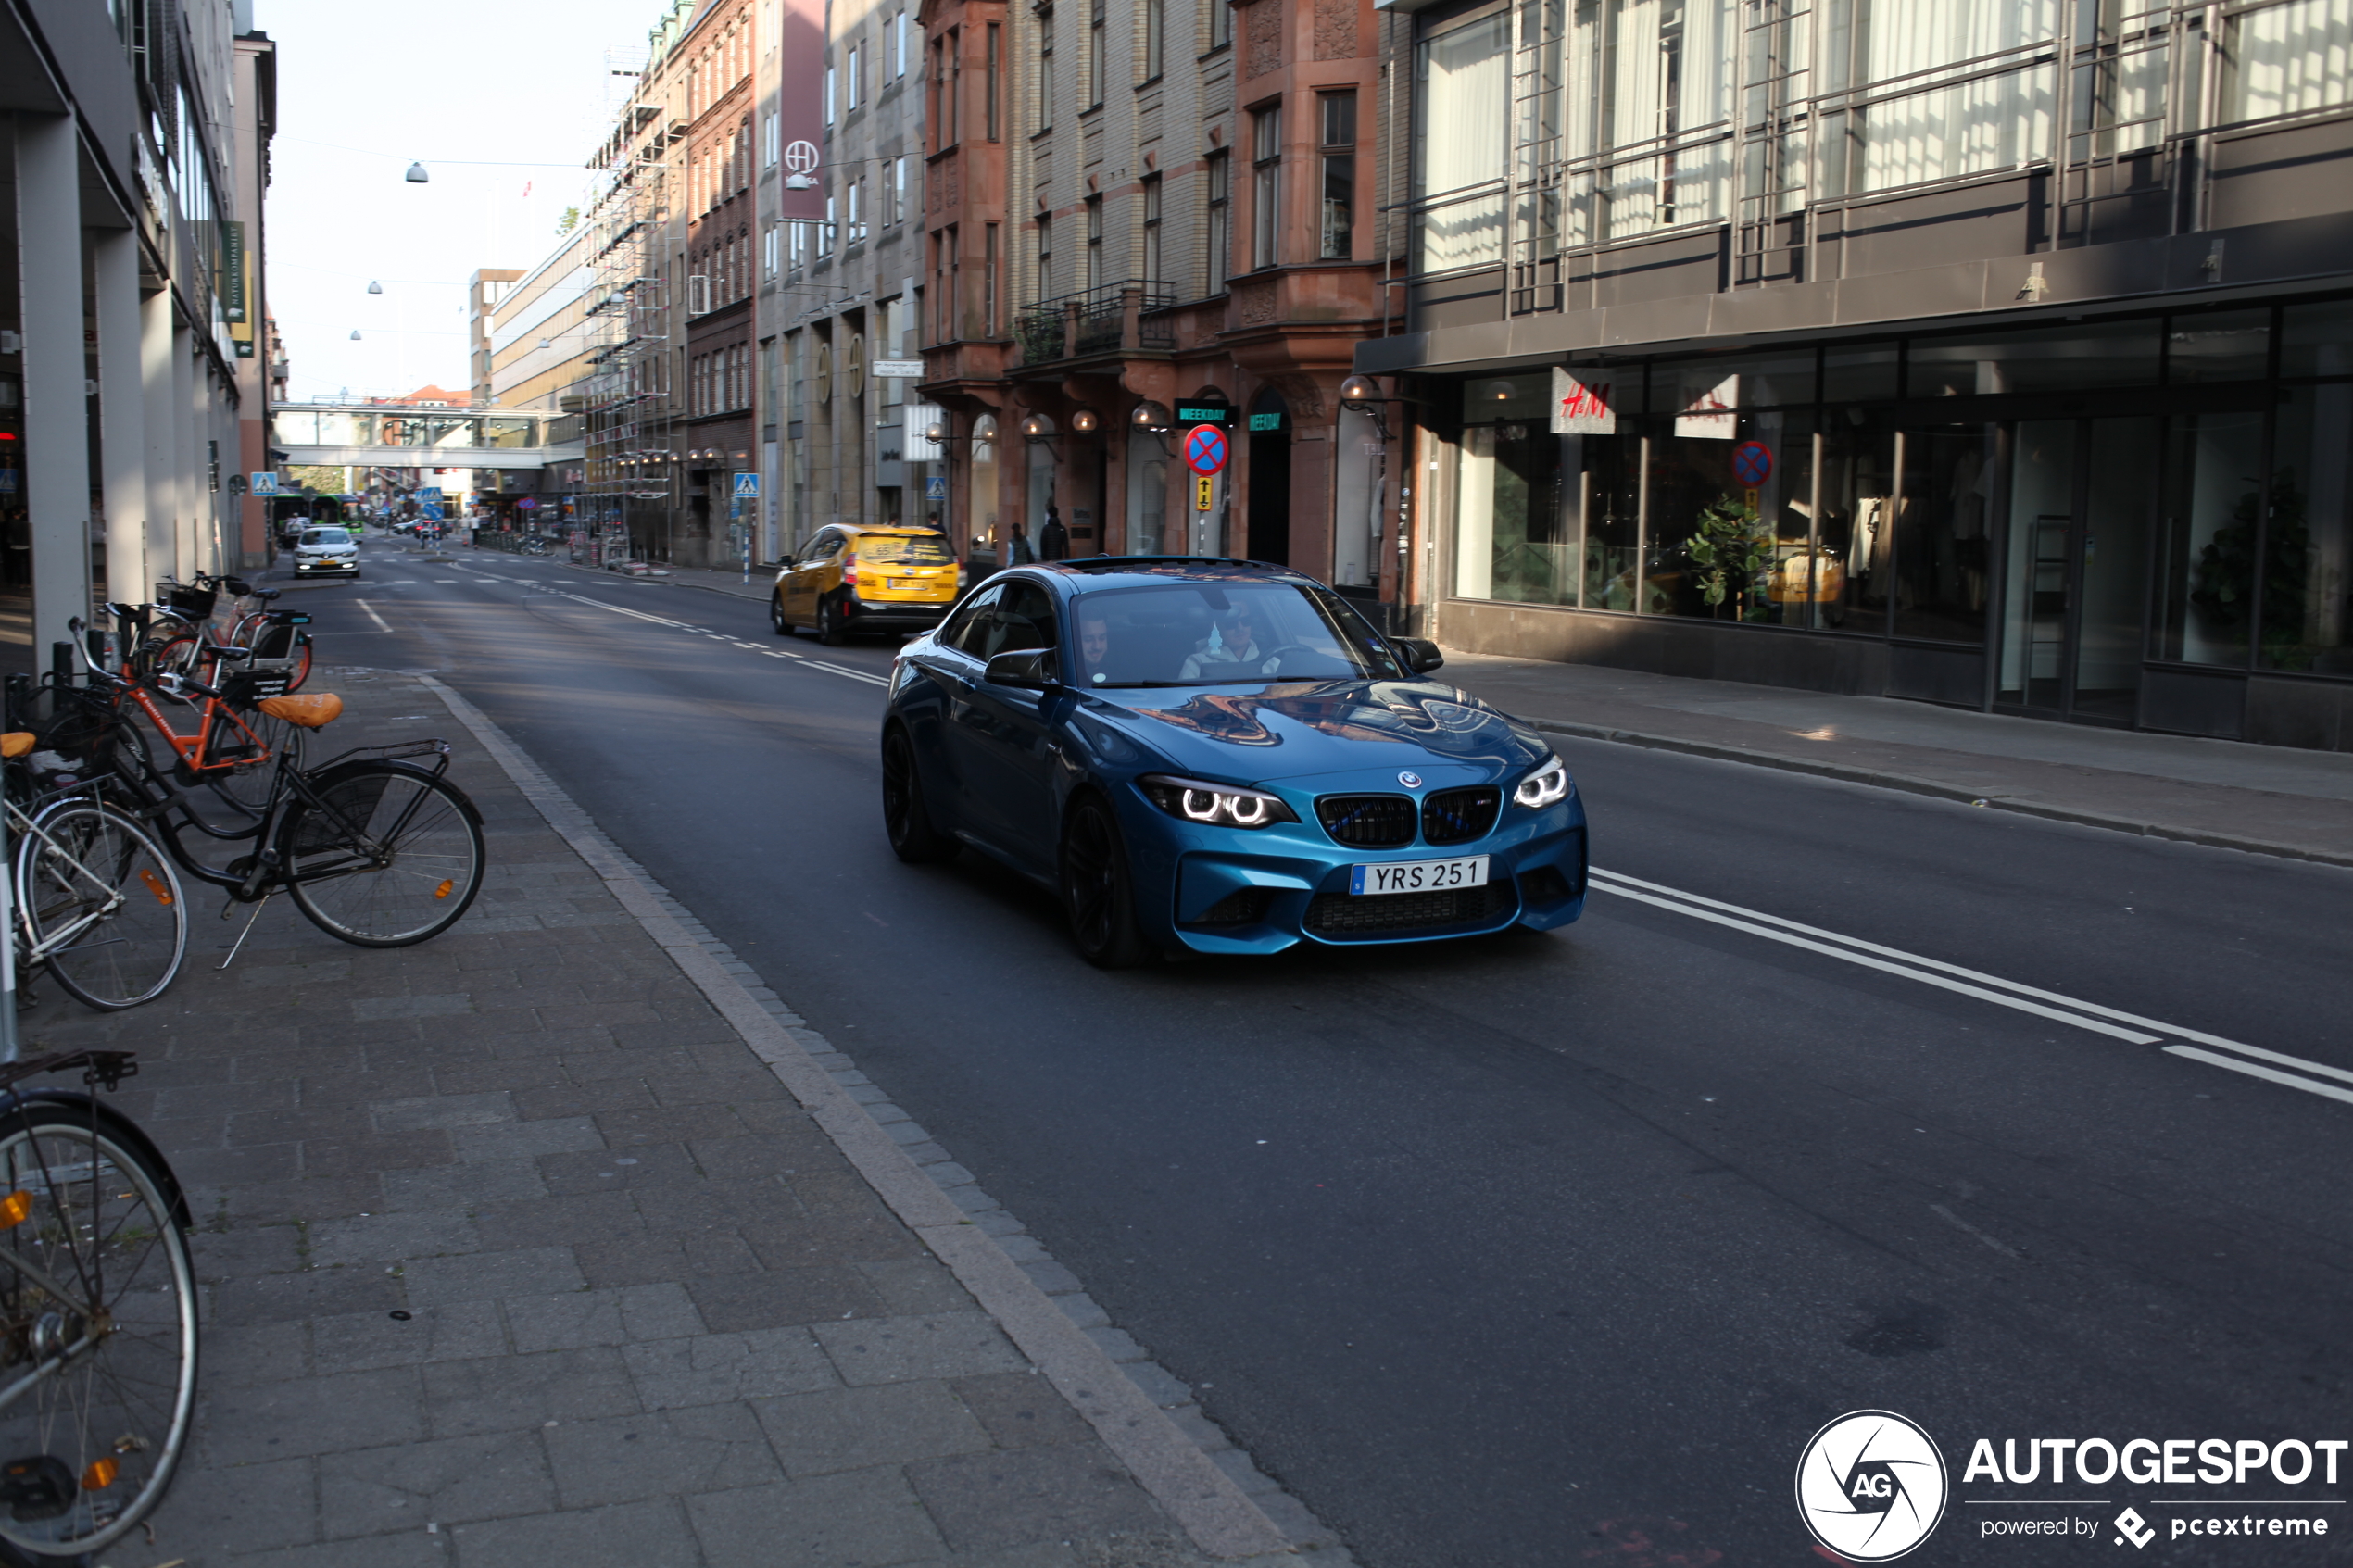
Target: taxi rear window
904, 549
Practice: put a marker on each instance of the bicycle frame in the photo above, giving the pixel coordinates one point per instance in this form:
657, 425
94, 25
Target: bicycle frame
22, 827
191, 749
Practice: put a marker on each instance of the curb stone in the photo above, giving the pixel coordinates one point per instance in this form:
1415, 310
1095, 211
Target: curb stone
1142, 1413
1913, 785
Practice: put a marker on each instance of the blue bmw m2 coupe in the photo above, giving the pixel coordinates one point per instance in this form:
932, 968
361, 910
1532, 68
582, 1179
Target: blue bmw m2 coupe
1222, 757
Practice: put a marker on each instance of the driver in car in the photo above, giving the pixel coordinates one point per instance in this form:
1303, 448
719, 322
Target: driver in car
1237, 646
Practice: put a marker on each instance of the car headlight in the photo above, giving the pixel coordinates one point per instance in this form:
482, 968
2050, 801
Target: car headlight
1547, 786
1215, 804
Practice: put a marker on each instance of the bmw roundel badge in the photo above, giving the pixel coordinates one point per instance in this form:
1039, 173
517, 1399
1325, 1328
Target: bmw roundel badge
1411, 780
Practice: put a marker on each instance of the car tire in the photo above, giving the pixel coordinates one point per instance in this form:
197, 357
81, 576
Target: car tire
830, 630
905, 818
776, 615
1099, 890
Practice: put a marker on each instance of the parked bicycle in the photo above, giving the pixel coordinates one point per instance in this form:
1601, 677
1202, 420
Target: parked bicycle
97, 1314
99, 906
178, 632
374, 848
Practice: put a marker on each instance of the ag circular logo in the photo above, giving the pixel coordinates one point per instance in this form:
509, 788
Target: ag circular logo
1871, 1486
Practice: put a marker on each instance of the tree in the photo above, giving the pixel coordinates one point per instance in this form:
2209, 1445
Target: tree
569, 220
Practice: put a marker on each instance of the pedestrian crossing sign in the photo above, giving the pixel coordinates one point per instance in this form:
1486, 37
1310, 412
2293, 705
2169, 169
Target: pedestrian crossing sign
746, 488
265, 483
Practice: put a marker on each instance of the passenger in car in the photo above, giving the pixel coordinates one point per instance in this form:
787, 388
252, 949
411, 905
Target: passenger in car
1094, 646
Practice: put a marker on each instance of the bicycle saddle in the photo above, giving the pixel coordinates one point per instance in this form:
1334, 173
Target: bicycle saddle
264, 595
16, 743
312, 710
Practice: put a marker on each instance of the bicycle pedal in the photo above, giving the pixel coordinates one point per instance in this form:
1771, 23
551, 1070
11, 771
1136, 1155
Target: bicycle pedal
39, 1488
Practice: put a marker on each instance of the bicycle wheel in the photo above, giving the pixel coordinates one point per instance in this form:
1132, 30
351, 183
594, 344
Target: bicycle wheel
91, 881
111, 1335
388, 854
247, 785
299, 671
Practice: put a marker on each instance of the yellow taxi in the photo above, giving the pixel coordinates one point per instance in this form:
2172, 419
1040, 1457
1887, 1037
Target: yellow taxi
849, 579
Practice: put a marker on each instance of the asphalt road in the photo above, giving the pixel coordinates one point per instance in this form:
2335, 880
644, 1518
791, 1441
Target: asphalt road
1541, 1249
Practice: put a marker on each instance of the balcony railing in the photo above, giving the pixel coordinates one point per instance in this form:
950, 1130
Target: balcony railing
1110, 319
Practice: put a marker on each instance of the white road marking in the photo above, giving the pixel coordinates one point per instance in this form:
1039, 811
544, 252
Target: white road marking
1987, 987
772, 653
371, 614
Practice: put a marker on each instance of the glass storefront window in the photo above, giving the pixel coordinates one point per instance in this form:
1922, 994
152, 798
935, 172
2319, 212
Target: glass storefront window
2207, 557
2118, 353
1856, 536
2307, 593
2227, 346
1513, 538
1721, 547
1609, 480
1865, 372
2317, 340
1766, 380
1943, 523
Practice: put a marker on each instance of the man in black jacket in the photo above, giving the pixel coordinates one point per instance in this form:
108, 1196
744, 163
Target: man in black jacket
1053, 539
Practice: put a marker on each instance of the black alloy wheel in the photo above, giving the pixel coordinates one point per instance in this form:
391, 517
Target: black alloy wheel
1097, 889
830, 630
905, 818
776, 615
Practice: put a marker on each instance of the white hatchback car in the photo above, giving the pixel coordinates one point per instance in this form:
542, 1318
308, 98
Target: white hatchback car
322, 552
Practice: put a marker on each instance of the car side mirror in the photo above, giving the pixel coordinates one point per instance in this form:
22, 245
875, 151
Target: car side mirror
1027, 668
1421, 654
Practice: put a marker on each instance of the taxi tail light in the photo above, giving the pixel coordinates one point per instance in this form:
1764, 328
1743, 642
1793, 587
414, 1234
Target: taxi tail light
850, 575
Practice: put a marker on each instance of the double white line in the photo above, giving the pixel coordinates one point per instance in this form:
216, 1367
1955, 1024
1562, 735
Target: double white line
2313, 1077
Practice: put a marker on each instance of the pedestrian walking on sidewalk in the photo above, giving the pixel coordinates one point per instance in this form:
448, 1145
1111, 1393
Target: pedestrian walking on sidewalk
1053, 540
1019, 549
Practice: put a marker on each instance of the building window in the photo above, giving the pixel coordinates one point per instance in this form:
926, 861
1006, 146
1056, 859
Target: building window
1221, 24
829, 94
1155, 12
797, 246
1095, 65
1151, 228
899, 45
943, 131
831, 237
1339, 224
899, 190
857, 209
989, 283
1045, 257
771, 141
1046, 69
1220, 237
857, 74
1094, 243
1266, 185
995, 34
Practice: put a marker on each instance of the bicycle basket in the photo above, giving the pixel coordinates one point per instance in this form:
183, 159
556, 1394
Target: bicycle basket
80, 725
195, 603
245, 688
350, 806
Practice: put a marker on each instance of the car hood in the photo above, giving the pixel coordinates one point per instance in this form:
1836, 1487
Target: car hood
1292, 729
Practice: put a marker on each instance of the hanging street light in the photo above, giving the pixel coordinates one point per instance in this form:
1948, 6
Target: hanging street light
416, 175
354, 334
374, 287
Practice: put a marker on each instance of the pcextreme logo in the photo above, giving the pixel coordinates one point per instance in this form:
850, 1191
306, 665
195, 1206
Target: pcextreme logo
1871, 1486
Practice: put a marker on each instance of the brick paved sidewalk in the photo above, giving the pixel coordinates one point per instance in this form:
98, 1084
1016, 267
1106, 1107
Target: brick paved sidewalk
515, 1253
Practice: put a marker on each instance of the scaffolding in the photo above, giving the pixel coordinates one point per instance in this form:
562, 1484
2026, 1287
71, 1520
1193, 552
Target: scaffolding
630, 489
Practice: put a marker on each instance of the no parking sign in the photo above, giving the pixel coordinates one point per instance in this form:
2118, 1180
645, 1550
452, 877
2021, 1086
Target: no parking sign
1205, 449
1752, 463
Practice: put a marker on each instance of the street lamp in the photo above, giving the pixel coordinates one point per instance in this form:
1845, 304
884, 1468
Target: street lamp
1038, 427
1150, 415
374, 287
1360, 390
354, 334
1084, 422
416, 175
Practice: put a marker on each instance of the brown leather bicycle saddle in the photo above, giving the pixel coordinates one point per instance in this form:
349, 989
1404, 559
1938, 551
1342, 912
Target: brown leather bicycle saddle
312, 710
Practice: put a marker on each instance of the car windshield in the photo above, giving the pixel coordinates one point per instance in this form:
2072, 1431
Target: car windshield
1220, 633
327, 536
904, 549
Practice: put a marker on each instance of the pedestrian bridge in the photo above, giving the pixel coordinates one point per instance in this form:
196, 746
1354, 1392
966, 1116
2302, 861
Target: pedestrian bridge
404, 435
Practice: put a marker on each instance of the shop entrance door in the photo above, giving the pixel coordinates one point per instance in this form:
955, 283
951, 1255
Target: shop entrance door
2083, 501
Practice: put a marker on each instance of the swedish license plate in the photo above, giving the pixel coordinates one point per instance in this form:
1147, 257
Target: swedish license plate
1417, 876
907, 584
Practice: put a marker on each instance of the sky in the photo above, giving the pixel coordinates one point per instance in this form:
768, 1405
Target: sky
501, 100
